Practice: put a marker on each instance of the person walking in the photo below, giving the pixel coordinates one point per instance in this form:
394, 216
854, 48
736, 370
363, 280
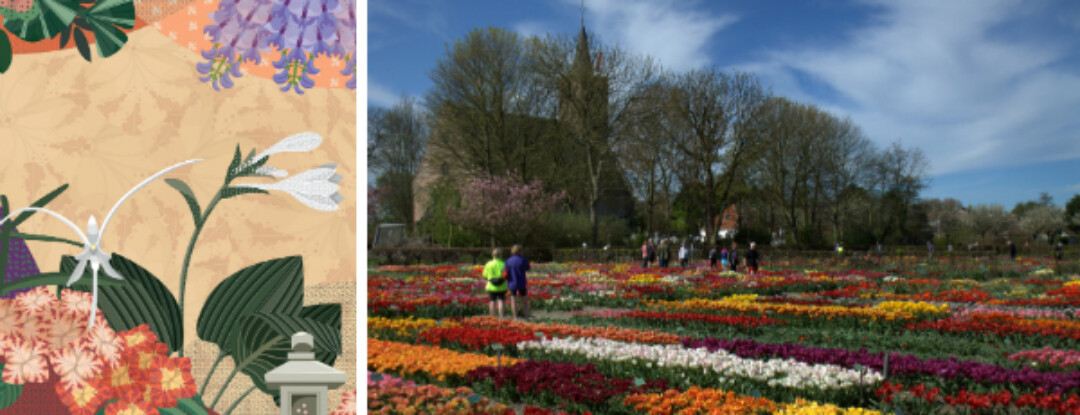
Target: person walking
684, 254
1059, 252
724, 259
645, 254
733, 257
516, 267
1012, 251
664, 253
752, 259
713, 256
496, 282
930, 248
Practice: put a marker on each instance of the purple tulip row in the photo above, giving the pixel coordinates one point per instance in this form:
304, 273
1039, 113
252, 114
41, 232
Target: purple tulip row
899, 364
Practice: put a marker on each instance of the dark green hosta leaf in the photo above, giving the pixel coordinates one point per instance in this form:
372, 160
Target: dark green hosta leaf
5, 52
8, 393
192, 406
329, 314
263, 341
274, 286
45, 19
107, 17
142, 300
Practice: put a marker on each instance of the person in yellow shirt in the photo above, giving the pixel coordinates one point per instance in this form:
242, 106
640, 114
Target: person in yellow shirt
496, 282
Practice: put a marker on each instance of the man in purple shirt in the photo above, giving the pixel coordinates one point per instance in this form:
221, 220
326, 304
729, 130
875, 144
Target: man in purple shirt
516, 267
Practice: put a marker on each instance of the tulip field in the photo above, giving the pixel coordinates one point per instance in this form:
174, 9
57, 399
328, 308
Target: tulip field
903, 336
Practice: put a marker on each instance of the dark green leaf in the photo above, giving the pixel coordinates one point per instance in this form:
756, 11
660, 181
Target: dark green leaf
82, 24
274, 286
329, 314
65, 36
5, 52
249, 170
107, 17
45, 19
189, 197
40, 203
82, 44
105, 405
237, 191
142, 300
8, 393
192, 406
234, 165
263, 341
171, 411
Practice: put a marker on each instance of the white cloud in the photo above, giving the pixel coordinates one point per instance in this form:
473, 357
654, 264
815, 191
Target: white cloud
379, 95
669, 31
531, 28
427, 15
936, 75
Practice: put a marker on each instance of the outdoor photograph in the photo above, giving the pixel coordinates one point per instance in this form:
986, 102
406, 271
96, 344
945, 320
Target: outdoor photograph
722, 207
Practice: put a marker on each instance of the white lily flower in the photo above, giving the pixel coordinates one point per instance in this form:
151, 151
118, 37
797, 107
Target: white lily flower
292, 144
317, 188
92, 251
270, 171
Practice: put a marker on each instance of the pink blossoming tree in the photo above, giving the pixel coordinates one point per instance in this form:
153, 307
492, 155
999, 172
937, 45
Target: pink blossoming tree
503, 206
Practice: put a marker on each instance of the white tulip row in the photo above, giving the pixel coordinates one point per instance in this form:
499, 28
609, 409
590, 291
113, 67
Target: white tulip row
728, 367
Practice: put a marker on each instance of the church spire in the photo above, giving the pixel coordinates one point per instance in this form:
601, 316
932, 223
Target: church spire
582, 59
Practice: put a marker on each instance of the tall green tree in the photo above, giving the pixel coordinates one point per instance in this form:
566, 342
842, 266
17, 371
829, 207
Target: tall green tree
713, 130
397, 140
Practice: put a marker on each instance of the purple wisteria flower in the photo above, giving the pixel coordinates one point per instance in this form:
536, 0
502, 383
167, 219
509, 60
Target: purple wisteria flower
300, 29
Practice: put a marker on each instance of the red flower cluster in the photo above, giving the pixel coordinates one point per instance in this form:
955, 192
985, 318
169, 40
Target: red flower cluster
973, 295
1037, 399
850, 291
741, 321
475, 338
1001, 324
575, 383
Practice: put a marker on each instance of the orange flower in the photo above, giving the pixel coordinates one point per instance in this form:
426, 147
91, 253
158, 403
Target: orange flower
75, 366
170, 380
121, 378
130, 407
25, 363
143, 357
138, 336
85, 399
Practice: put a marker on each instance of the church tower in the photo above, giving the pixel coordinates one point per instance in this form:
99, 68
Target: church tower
583, 95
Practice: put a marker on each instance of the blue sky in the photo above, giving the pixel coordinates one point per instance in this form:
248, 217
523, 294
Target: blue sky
988, 89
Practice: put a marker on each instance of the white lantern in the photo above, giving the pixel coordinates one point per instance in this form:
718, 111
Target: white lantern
304, 381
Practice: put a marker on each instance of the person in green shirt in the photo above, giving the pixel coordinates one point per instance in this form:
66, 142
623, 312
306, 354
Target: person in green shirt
496, 282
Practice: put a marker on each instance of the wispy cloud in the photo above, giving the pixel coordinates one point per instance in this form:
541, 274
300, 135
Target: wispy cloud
674, 32
426, 15
531, 28
939, 76
379, 95
1074, 188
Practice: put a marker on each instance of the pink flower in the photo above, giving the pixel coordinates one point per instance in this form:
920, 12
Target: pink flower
25, 363
348, 404
76, 303
35, 301
75, 365
103, 340
64, 329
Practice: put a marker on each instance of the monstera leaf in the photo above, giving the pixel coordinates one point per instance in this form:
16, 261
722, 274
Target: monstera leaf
45, 19
263, 341
275, 286
142, 300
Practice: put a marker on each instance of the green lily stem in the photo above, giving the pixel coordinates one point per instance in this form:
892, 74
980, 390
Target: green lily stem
224, 387
5, 239
191, 248
45, 238
237, 403
51, 278
221, 356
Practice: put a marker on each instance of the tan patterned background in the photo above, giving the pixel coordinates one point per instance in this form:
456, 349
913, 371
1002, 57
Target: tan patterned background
104, 126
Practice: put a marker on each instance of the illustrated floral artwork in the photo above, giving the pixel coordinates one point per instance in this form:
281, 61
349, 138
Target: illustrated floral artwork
115, 345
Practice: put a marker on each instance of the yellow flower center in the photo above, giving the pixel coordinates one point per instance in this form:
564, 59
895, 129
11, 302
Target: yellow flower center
83, 396
171, 379
93, 247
